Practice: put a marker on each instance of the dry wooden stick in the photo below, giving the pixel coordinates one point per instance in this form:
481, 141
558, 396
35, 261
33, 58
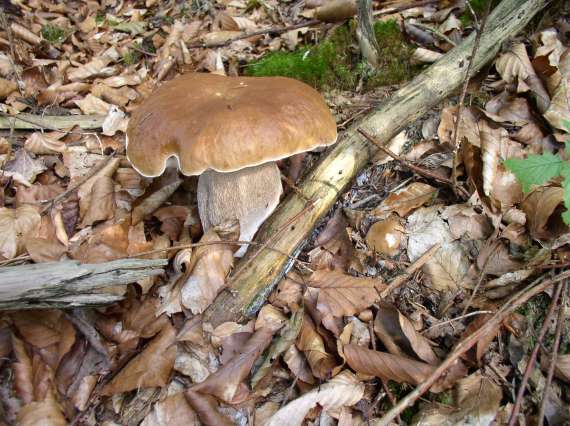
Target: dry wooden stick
519, 299
530, 365
401, 279
555, 346
54, 123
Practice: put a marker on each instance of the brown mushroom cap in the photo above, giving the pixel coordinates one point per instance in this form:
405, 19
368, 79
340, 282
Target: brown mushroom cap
209, 121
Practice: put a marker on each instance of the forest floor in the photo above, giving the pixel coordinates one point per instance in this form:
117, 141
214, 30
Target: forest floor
428, 247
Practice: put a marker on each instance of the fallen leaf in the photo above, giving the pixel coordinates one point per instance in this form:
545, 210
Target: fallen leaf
384, 236
514, 66
42, 143
407, 199
341, 294
341, 391
465, 222
16, 225
386, 366
97, 67
477, 403
425, 228
543, 209
172, 411
207, 409
93, 105
24, 167
312, 345
562, 369
150, 368
207, 278
393, 328
160, 191
101, 201
333, 249
46, 413
224, 383
7, 87
298, 364
447, 268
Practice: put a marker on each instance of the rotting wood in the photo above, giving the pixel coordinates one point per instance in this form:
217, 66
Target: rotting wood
250, 285
69, 283
25, 121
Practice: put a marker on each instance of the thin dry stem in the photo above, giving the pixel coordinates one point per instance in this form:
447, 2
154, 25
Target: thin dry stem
530, 365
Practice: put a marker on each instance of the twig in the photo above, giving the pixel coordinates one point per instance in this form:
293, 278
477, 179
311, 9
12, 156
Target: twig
434, 32
276, 31
19, 121
419, 170
530, 365
555, 346
401, 279
449, 321
213, 243
456, 142
463, 346
71, 189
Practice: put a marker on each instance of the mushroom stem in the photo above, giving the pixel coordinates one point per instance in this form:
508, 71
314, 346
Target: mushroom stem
248, 195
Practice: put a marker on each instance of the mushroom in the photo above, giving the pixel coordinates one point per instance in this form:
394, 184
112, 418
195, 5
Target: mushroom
230, 131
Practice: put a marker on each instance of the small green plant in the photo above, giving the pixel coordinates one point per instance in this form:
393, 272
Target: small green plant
53, 34
131, 57
538, 169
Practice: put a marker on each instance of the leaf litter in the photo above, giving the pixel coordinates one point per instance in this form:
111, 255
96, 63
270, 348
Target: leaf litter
394, 279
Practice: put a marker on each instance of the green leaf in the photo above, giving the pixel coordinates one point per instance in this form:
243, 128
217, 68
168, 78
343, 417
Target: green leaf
535, 170
131, 27
565, 172
567, 125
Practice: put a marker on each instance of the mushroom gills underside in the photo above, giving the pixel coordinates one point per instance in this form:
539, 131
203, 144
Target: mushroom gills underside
248, 195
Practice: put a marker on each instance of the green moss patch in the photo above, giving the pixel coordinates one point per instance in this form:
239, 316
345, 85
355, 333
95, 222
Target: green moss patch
335, 63
53, 34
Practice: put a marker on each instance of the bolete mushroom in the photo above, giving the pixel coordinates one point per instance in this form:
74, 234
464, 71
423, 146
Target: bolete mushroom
230, 131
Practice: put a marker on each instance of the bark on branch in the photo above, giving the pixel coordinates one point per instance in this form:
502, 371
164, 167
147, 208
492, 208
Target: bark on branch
253, 280
69, 283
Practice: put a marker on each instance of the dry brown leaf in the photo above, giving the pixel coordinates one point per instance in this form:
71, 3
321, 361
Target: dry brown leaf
43, 143
207, 408
543, 209
425, 56
333, 249
425, 228
16, 225
97, 67
468, 128
289, 292
172, 411
386, 366
46, 413
150, 368
207, 278
407, 199
341, 294
24, 167
447, 269
101, 201
483, 343
499, 183
224, 383
477, 400
160, 191
93, 105
341, 391
298, 365
312, 345
384, 236
393, 328
7, 87
23, 374
515, 67
465, 222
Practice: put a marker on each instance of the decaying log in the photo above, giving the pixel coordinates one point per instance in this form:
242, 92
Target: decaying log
69, 283
289, 226
25, 121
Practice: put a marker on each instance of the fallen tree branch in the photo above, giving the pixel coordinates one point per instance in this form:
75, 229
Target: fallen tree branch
25, 121
249, 287
70, 283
